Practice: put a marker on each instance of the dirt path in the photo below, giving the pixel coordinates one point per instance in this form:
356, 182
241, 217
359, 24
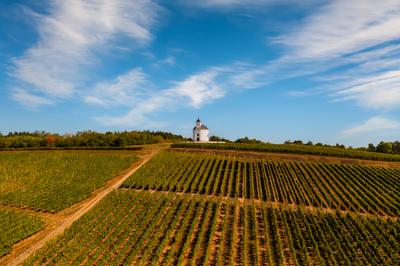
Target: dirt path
292, 157
57, 223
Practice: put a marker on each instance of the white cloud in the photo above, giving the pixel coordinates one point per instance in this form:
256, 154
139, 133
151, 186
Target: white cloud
70, 35
228, 4
352, 35
342, 27
379, 91
126, 89
169, 60
224, 3
27, 99
350, 48
374, 124
195, 91
199, 88
355, 35
251, 78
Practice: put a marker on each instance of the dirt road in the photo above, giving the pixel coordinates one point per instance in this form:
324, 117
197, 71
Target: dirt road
57, 223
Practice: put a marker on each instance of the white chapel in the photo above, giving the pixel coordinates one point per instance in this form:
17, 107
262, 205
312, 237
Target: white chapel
200, 132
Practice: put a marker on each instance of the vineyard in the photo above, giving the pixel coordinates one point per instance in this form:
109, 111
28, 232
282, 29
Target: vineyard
190, 208
14, 227
353, 188
53, 180
144, 228
293, 148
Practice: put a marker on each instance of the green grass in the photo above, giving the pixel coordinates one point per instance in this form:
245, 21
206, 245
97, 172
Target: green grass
16, 226
292, 148
53, 180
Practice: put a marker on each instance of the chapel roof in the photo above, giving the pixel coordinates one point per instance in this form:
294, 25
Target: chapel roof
202, 127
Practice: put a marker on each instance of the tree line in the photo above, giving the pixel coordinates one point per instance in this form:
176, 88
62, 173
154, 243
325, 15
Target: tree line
92, 139
85, 139
382, 147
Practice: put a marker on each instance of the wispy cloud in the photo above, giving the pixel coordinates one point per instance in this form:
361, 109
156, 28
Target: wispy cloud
126, 89
230, 4
373, 125
195, 91
69, 37
169, 60
358, 36
27, 99
342, 27
349, 48
378, 91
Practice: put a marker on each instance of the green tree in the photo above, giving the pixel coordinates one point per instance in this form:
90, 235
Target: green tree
216, 138
384, 147
371, 147
247, 140
396, 147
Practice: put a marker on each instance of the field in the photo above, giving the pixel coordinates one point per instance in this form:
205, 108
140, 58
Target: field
190, 208
16, 226
142, 228
53, 180
293, 148
363, 189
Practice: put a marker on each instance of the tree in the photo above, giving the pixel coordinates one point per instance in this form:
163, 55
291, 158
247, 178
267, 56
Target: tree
50, 140
247, 140
85, 139
371, 147
396, 147
3, 143
340, 146
384, 147
216, 138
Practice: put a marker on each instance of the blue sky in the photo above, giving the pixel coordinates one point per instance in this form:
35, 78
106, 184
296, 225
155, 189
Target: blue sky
325, 71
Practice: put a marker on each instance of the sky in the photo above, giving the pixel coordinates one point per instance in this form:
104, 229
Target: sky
324, 71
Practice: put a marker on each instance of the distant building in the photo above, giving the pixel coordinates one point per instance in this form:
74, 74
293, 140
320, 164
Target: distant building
200, 132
